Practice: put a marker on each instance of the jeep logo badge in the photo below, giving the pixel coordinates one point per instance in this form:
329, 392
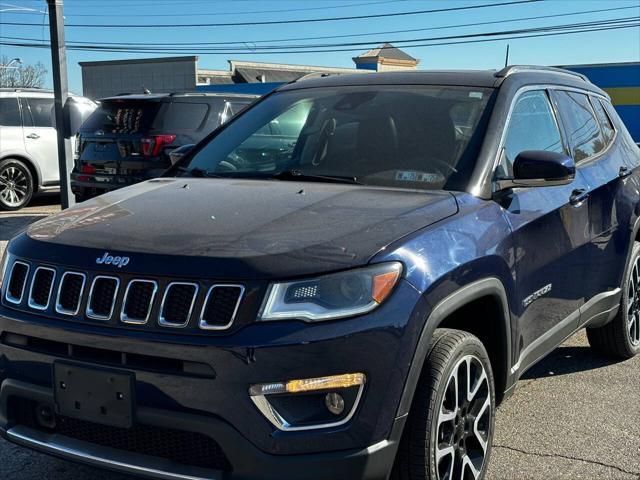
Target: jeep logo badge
107, 259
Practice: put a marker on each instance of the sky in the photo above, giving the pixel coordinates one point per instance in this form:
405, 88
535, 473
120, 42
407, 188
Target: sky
592, 47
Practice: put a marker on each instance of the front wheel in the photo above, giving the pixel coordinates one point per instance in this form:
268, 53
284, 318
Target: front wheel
16, 185
450, 427
620, 338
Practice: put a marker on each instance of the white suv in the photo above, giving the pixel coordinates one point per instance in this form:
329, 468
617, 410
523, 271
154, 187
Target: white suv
28, 149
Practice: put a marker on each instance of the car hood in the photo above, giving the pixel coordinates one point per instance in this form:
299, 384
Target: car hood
234, 228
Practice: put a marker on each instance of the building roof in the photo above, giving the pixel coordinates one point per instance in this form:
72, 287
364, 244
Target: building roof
388, 51
190, 58
252, 72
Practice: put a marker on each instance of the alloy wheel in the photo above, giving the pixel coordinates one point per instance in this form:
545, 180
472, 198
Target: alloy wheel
14, 186
464, 422
633, 305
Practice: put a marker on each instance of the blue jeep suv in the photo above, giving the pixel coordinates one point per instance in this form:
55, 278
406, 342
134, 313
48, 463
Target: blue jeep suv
342, 282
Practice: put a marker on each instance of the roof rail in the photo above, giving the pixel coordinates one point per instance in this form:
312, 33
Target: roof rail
311, 75
511, 69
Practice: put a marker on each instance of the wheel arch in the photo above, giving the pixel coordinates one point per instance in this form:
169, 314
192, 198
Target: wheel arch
447, 314
31, 165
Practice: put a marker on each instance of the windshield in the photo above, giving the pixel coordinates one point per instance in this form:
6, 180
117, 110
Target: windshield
419, 137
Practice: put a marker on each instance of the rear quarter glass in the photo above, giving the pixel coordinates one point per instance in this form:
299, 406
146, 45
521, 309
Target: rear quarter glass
122, 116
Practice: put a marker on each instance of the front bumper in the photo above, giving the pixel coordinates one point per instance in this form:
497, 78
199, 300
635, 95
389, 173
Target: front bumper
380, 344
249, 462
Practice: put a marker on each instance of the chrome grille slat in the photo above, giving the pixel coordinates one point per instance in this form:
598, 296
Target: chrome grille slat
230, 310
177, 305
49, 280
75, 292
31, 286
97, 298
9, 296
126, 314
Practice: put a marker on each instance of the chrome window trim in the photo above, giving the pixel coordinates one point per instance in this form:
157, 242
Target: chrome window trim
202, 323
271, 414
123, 316
7, 296
59, 307
30, 301
162, 321
516, 96
89, 312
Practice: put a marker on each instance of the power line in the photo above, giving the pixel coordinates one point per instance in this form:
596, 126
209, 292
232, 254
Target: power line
399, 42
221, 14
311, 48
282, 22
327, 37
514, 34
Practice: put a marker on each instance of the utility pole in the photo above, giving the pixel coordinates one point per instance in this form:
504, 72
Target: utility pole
61, 93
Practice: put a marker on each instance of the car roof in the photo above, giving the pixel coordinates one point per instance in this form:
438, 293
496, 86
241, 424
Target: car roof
523, 74
162, 96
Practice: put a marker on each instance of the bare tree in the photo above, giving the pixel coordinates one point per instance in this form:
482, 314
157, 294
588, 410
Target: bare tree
24, 76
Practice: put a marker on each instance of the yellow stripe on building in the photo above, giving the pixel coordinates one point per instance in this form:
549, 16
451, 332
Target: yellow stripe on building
624, 95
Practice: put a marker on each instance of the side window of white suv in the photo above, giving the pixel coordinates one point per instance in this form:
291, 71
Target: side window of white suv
41, 112
10, 112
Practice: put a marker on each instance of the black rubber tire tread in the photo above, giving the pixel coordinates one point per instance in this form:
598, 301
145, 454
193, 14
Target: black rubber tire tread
413, 459
612, 339
31, 188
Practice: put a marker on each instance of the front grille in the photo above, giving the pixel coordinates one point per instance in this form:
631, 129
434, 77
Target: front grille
138, 301
221, 306
70, 293
178, 446
102, 297
121, 299
41, 288
17, 282
177, 304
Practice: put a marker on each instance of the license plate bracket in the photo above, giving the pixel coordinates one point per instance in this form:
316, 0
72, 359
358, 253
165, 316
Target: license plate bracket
94, 395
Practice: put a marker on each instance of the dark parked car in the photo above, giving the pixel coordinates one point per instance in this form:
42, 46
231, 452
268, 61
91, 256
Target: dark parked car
352, 304
128, 139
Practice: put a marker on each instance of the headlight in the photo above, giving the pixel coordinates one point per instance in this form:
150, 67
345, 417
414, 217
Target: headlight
332, 296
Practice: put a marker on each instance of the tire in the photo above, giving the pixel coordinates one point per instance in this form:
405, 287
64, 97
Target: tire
16, 185
620, 338
452, 354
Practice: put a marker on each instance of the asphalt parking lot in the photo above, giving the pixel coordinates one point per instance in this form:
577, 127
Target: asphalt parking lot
574, 416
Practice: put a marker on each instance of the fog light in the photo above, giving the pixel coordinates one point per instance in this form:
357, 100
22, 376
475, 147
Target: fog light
310, 403
334, 403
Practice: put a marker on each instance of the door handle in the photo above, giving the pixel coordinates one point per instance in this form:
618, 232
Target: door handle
578, 197
33, 136
625, 172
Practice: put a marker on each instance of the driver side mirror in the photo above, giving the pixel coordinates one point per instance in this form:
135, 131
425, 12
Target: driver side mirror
540, 168
180, 152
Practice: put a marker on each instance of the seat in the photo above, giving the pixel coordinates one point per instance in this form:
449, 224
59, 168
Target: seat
376, 145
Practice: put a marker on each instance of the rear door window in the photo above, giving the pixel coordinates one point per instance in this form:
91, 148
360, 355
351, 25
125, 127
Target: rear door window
122, 116
583, 130
41, 111
10, 112
181, 116
605, 123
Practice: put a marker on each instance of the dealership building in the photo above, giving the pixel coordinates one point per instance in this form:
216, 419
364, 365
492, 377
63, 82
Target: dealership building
183, 74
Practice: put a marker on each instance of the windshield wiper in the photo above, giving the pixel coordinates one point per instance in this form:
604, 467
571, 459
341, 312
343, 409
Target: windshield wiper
308, 177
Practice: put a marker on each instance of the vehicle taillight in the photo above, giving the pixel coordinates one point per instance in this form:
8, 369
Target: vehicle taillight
87, 169
76, 150
151, 146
